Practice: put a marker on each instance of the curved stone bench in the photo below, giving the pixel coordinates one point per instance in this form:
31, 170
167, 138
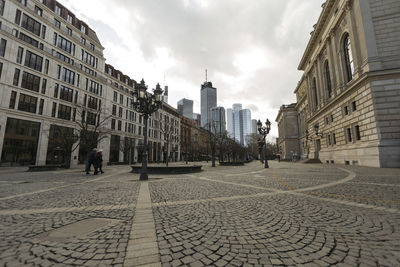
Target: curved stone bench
235, 163
168, 170
43, 168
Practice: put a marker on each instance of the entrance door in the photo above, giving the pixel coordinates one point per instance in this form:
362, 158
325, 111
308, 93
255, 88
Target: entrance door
317, 148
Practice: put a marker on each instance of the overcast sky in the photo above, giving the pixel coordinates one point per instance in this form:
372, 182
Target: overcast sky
251, 48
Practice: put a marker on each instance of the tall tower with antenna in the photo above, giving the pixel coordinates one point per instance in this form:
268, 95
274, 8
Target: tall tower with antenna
208, 100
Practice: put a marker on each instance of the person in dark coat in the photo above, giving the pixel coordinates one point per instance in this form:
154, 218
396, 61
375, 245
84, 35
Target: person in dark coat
98, 162
90, 161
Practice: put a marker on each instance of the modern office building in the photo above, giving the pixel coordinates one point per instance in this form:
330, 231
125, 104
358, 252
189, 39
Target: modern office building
245, 125
208, 100
197, 118
229, 123
236, 121
218, 120
185, 108
254, 126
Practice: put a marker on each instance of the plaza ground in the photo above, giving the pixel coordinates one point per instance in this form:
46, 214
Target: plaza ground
289, 214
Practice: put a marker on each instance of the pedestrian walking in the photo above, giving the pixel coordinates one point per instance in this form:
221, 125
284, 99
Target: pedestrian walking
90, 160
98, 162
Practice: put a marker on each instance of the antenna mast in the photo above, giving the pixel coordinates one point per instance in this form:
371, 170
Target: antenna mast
206, 75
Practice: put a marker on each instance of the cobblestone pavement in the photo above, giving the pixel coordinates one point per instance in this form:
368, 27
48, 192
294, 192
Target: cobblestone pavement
290, 214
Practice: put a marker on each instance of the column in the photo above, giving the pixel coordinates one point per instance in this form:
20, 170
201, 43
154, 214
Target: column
43, 143
332, 64
354, 39
320, 82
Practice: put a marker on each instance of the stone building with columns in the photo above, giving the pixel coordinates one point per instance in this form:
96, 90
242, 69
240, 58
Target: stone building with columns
349, 95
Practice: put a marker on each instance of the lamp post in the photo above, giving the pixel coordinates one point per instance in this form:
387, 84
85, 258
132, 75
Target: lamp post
264, 130
146, 104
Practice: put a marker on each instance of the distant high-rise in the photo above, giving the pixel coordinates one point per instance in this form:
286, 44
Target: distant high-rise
165, 96
254, 127
208, 101
185, 108
245, 125
197, 117
218, 120
236, 121
229, 123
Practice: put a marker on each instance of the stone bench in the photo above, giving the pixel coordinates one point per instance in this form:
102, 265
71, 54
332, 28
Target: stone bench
168, 170
42, 168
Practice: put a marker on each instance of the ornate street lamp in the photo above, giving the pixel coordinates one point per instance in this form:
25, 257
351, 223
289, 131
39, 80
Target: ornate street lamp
264, 130
146, 104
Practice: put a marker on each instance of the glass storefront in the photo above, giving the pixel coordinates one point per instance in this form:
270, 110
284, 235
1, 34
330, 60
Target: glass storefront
114, 148
20, 142
59, 149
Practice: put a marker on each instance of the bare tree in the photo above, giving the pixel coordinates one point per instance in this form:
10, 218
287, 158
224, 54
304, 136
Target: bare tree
167, 130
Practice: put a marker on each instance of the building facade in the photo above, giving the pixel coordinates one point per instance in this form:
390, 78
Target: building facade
348, 98
59, 99
229, 123
208, 98
245, 126
288, 141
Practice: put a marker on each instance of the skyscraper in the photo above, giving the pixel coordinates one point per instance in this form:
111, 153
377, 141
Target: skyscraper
229, 123
236, 121
245, 125
218, 120
254, 127
208, 100
185, 107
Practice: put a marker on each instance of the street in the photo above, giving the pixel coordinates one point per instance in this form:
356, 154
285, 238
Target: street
289, 214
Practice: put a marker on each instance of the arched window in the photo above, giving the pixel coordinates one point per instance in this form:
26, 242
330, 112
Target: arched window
348, 57
314, 84
328, 79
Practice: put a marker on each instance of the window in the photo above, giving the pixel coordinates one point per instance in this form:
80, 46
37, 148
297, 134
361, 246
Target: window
114, 110
357, 130
44, 84
38, 11
28, 39
57, 10
334, 138
30, 81
16, 77
66, 93
315, 92
69, 31
328, 140
33, 61
92, 102
331, 117
83, 28
346, 110
91, 118
69, 18
17, 17
56, 90
68, 76
121, 99
93, 86
2, 3
83, 40
113, 124
328, 79
3, 44
119, 125
13, 98
76, 97
64, 112
31, 24
1, 68
43, 32
46, 66
54, 110
89, 59
27, 103
41, 104
348, 58
91, 46
120, 112
348, 134
353, 106
64, 44
19, 55
115, 96
57, 23
24, 2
